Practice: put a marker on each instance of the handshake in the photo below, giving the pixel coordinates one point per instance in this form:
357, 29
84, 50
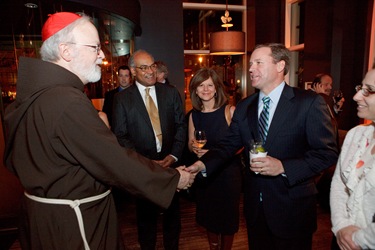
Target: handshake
187, 174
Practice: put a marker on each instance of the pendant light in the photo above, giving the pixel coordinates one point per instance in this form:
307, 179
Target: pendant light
227, 42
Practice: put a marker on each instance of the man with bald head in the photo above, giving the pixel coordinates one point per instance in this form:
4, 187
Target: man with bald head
63, 153
158, 133
322, 84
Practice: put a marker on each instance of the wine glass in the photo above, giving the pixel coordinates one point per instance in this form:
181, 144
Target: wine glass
200, 138
337, 96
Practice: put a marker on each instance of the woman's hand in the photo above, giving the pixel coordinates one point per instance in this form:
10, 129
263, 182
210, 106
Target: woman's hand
198, 151
344, 238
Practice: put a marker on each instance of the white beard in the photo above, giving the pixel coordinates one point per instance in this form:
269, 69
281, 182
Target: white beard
93, 74
90, 74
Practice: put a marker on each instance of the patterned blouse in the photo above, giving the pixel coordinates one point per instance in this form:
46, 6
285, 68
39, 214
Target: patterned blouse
353, 186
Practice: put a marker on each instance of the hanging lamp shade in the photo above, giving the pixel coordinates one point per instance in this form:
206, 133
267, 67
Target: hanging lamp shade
227, 43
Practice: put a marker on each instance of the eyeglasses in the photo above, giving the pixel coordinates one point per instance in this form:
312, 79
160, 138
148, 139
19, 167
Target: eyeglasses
365, 91
147, 67
97, 47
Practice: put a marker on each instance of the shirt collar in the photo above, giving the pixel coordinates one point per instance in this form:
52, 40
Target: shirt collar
274, 95
142, 88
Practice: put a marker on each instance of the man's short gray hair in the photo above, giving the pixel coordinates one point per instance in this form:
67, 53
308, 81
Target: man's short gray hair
50, 48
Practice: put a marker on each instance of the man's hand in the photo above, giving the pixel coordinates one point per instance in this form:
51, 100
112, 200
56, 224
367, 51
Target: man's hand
104, 118
267, 166
166, 162
196, 167
338, 105
186, 178
344, 238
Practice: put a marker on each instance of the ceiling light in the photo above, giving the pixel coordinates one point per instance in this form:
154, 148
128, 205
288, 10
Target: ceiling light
227, 42
31, 5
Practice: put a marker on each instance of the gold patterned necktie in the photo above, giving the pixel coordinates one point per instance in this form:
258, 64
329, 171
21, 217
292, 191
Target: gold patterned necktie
154, 115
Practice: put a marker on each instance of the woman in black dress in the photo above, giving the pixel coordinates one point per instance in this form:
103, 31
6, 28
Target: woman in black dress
218, 196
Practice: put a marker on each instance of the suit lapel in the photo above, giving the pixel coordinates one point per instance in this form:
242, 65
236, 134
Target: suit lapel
252, 114
160, 96
279, 118
139, 103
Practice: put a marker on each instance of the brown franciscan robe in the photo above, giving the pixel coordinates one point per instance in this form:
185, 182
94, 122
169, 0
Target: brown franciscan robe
59, 148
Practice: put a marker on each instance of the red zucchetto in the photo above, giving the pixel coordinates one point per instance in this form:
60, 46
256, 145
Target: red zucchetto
57, 22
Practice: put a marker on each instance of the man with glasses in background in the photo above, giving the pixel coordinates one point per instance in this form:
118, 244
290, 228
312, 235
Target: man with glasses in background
149, 118
322, 85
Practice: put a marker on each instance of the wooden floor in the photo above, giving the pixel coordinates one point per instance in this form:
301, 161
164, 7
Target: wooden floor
193, 237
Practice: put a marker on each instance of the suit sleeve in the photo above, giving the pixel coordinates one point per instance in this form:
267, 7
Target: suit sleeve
321, 150
180, 126
120, 122
227, 147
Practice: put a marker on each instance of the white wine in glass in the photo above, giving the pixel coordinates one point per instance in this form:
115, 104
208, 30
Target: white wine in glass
200, 138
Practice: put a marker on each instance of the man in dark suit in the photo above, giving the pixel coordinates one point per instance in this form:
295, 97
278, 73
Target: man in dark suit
135, 129
124, 80
322, 85
280, 201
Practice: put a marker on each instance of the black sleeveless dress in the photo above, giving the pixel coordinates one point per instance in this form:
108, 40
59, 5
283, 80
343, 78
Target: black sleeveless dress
218, 195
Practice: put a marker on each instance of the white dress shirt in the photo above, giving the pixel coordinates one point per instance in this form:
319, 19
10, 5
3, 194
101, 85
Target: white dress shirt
275, 97
142, 90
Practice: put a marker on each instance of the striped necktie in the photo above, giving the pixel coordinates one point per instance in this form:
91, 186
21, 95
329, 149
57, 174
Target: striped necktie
263, 119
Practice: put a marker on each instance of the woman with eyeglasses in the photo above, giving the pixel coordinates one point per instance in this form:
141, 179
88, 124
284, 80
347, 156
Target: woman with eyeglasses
353, 185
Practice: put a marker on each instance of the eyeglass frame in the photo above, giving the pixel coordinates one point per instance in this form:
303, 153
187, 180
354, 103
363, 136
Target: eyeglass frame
364, 91
97, 47
144, 68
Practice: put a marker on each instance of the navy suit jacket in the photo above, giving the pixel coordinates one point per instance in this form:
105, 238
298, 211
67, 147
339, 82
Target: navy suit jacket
132, 125
302, 138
